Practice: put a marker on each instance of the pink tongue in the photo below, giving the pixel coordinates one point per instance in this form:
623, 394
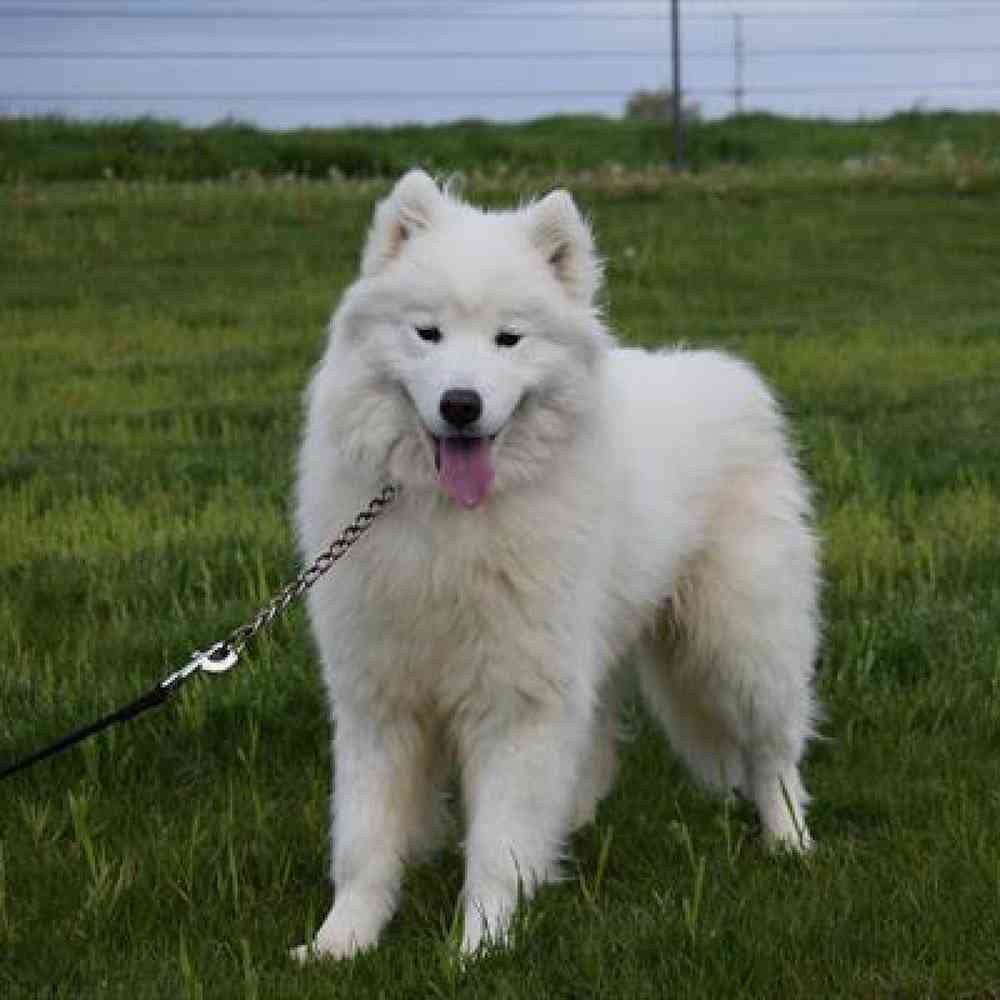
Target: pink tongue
466, 470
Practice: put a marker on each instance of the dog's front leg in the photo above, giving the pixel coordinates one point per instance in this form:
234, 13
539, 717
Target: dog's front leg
520, 771
381, 785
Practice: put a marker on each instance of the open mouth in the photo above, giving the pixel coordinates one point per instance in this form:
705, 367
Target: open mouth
465, 467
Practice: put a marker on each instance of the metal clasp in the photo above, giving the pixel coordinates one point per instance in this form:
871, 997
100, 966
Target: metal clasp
220, 658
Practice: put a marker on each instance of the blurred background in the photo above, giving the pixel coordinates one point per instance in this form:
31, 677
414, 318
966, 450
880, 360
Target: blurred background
283, 65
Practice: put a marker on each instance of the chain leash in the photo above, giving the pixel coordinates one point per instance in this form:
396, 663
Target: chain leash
225, 653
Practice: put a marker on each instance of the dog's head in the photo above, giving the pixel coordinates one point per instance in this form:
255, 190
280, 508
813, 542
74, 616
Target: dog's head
465, 355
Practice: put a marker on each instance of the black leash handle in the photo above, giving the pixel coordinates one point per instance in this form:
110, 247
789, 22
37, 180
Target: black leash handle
220, 657
223, 655
152, 698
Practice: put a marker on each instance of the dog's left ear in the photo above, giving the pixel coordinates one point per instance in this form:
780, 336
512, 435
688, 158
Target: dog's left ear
564, 238
411, 206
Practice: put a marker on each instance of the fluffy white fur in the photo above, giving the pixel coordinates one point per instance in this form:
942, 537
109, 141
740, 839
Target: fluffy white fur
646, 510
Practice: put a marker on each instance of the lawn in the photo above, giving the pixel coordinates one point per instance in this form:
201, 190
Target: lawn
53, 148
154, 342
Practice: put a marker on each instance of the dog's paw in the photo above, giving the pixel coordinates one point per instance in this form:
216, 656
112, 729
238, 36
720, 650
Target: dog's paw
487, 927
346, 931
318, 950
795, 841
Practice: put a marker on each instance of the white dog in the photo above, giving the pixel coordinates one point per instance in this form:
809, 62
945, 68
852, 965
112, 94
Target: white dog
567, 505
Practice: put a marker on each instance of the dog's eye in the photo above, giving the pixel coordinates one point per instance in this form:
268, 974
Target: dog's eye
507, 339
429, 333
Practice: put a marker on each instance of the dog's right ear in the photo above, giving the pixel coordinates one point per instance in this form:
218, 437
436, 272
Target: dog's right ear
411, 206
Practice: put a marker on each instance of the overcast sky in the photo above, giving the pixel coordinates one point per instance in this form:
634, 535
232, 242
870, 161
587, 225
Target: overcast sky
436, 60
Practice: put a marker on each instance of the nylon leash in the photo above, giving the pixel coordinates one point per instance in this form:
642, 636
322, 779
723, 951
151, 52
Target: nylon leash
224, 654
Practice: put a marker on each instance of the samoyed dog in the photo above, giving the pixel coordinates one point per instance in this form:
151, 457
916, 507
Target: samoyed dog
567, 507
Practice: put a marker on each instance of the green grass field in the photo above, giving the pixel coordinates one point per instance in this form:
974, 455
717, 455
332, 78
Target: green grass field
154, 341
52, 148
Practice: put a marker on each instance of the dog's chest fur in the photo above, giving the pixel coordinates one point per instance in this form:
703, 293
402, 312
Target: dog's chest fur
472, 606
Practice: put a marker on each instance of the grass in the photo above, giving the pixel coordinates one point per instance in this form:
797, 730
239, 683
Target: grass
154, 340
52, 148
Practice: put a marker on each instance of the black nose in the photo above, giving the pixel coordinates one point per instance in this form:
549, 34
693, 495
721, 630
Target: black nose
461, 407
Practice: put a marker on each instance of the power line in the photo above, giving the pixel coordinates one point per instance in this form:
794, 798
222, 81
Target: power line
104, 13
317, 95
378, 95
344, 54
391, 6
409, 14
837, 50
856, 88
525, 54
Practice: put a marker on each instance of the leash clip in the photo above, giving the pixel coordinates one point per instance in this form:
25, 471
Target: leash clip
220, 658
217, 660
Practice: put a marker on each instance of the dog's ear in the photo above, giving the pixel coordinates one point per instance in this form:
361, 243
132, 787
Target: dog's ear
564, 238
411, 206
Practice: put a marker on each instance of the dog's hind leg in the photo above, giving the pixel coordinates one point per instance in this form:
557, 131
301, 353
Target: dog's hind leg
668, 668
600, 764
734, 740
729, 672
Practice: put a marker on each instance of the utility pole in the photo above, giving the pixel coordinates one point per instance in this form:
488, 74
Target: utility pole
739, 60
678, 115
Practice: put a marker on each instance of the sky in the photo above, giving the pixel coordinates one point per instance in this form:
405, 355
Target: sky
325, 62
